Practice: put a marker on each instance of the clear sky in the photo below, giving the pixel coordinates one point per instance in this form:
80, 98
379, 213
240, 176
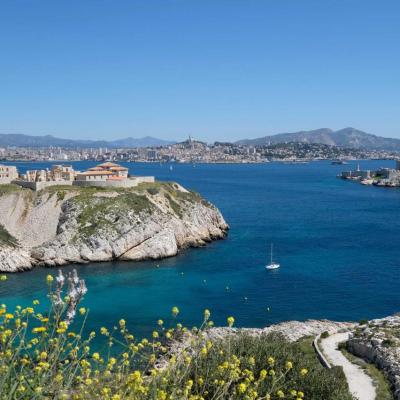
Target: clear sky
215, 69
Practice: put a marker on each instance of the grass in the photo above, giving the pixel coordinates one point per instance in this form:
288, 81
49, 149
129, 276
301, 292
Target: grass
174, 205
381, 384
9, 188
103, 212
96, 212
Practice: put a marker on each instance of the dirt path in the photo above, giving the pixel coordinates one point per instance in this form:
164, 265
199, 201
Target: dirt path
360, 384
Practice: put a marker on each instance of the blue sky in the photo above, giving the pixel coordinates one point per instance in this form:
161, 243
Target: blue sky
215, 69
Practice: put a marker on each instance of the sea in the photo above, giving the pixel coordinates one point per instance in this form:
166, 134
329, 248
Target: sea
338, 244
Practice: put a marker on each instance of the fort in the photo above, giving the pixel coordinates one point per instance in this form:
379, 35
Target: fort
382, 177
105, 175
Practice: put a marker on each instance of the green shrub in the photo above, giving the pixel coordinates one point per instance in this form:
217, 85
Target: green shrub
153, 191
388, 343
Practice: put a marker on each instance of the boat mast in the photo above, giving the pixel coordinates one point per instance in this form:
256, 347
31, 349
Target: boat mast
271, 251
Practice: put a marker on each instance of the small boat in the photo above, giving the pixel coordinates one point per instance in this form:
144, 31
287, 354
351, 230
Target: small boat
171, 167
272, 265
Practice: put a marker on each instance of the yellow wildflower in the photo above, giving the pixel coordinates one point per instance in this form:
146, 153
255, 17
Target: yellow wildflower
242, 388
303, 371
39, 329
175, 311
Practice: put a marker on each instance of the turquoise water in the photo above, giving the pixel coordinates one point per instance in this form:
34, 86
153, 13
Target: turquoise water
337, 242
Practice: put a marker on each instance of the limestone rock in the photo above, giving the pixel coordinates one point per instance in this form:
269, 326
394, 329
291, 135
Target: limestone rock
79, 225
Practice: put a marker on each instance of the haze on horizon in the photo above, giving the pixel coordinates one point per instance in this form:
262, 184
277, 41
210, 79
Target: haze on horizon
225, 70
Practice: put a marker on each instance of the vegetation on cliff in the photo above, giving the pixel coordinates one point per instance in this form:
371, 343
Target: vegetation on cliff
6, 239
44, 355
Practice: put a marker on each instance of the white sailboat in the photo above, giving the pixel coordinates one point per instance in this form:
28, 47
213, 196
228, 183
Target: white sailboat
272, 265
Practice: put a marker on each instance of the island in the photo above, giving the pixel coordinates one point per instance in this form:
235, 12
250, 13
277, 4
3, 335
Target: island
63, 224
388, 177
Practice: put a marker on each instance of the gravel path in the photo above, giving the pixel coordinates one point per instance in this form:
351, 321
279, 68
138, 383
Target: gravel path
360, 384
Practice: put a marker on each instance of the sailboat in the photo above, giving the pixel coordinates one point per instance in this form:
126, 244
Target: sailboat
272, 265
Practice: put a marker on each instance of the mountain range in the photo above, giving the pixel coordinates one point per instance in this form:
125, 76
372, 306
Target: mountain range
21, 140
347, 137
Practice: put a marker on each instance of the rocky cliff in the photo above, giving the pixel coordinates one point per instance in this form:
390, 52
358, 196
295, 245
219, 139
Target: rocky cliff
378, 341
62, 225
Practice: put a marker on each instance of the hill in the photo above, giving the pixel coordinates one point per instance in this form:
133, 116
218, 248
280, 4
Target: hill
347, 137
21, 140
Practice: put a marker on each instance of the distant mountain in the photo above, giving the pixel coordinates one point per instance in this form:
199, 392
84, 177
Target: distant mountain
20, 140
347, 137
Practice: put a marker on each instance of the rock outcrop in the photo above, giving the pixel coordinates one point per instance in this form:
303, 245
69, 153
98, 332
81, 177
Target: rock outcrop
63, 225
378, 342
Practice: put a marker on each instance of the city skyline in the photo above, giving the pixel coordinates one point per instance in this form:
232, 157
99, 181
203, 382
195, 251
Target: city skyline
214, 70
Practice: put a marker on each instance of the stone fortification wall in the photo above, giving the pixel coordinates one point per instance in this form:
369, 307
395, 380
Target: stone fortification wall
36, 186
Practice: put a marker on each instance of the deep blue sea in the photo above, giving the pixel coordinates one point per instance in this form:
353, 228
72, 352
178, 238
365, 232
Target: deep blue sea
338, 244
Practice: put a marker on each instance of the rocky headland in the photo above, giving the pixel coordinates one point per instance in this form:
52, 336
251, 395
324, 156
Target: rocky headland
63, 225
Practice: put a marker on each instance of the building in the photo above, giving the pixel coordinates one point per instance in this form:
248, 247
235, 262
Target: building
103, 175
57, 173
8, 173
63, 173
103, 172
109, 175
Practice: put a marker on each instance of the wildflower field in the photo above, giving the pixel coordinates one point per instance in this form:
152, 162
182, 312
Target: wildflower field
47, 356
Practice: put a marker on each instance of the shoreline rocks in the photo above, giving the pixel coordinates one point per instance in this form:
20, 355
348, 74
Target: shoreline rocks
378, 342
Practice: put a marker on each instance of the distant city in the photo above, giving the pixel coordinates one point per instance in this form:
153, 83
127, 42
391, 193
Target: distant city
303, 146
193, 151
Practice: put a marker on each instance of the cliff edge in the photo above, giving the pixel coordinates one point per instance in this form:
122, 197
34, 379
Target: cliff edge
63, 225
